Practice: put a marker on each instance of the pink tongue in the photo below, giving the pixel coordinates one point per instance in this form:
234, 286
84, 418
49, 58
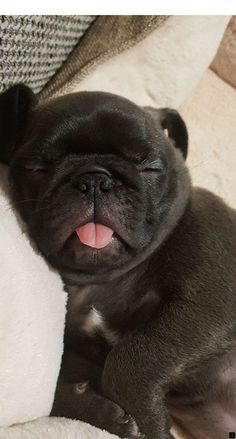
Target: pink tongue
94, 235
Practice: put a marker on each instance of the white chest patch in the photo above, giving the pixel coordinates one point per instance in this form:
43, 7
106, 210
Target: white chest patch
94, 322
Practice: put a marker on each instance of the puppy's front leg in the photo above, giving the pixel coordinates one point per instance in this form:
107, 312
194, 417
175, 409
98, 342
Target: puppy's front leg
140, 371
78, 397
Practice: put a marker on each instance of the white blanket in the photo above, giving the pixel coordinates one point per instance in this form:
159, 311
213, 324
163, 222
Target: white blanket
54, 428
32, 314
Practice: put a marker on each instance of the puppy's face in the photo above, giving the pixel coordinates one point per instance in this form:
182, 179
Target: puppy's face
95, 177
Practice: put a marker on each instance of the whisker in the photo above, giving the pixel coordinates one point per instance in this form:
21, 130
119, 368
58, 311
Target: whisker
26, 201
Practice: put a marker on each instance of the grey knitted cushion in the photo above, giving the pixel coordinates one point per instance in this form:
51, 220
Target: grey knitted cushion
33, 47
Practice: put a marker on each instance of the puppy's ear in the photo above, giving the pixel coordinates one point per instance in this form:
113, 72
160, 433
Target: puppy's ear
15, 106
171, 121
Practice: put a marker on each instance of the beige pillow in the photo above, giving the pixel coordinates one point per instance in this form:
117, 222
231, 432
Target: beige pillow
224, 63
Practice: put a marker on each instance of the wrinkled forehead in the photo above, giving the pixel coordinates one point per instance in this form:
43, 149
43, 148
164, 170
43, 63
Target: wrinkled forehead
92, 122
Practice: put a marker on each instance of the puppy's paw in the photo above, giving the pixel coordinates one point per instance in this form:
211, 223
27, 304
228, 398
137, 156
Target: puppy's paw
80, 401
109, 416
124, 426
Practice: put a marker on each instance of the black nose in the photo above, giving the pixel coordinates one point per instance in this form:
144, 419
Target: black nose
93, 178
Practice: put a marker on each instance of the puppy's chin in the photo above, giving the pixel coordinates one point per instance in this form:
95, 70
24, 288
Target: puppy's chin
76, 256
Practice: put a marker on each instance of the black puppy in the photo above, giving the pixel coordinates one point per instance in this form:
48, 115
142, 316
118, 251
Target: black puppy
149, 262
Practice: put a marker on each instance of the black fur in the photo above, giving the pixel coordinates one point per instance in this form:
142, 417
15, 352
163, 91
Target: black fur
166, 285
15, 104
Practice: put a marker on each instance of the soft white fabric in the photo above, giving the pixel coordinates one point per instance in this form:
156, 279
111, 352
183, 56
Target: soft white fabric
54, 428
159, 71
32, 312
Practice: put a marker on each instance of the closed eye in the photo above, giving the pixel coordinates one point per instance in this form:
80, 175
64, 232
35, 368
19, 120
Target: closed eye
156, 166
36, 168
